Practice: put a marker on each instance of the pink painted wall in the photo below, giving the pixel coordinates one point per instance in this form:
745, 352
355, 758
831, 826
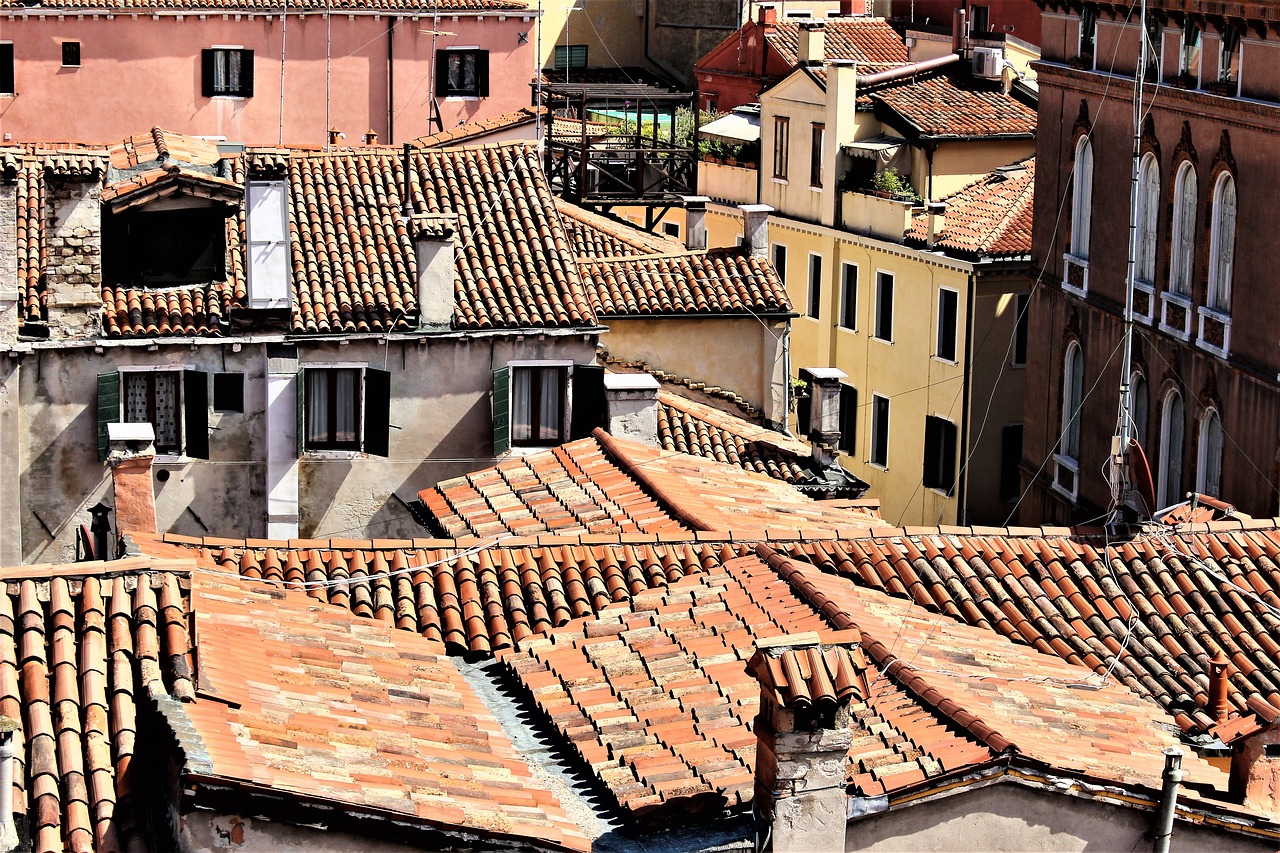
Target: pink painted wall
138, 72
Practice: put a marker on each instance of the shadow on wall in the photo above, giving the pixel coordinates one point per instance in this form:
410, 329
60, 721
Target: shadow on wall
56, 488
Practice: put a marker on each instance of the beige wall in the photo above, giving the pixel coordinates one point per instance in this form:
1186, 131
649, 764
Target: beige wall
612, 30
799, 100
958, 164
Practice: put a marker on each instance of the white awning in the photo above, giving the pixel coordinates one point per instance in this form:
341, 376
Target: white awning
735, 127
875, 147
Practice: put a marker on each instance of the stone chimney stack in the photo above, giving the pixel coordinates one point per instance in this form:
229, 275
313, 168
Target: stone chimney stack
695, 222
131, 450
936, 222
813, 38
755, 228
434, 239
73, 239
632, 406
803, 739
10, 293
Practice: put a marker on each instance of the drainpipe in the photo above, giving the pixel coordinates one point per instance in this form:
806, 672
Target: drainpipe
786, 381
929, 148
391, 79
1168, 799
8, 831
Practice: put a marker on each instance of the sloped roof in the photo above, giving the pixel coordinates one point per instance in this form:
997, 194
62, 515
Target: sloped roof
991, 217
596, 236
474, 130
727, 281
687, 426
943, 106
870, 42
244, 6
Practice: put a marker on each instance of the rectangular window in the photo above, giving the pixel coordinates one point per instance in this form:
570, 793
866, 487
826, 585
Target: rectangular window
884, 306
6, 68
228, 72
345, 408
849, 296
538, 405
174, 402
1191, 37
948, 306
462, 73
156, 398
267, 225
1021, 317
815, 155
781, 144
848, 418
939, 454
1088, 30
814, 308
71, 54
1010, 459
570, 56
780, 261
804, 403
671, 229
880, 431
228, 392
979, 19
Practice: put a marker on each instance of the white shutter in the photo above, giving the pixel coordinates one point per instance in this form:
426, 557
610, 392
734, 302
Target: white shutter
268, 226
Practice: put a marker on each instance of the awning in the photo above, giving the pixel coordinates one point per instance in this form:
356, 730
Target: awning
735, 127
875, 147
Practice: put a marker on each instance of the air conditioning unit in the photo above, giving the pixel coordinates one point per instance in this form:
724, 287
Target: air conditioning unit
987, 62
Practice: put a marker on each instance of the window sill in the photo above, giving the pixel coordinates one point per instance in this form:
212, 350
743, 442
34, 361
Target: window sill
782, 181
814, 189
331, 454
462, 97
1066, 477
949, 361
229, 97
530, 449
171, 459
852, 330
878, 466
886, 341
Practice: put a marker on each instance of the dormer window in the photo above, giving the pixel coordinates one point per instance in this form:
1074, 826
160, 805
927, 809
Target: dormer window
164, 247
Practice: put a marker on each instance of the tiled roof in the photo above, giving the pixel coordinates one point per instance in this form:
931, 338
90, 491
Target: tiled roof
156, 183
1186, 596
244, 6
989, 218
811, 676
159, 144
606, 484
939, 106
596, 236
473, 130
196, 310
687, 426
312, 701
871, 42
716, 282
31, 245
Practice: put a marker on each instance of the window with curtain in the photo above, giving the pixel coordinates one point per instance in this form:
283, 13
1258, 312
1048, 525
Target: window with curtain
1209, 469
781, 146
333, 407
1072, 398
1172, 427
537, 405
1081, 198
1222, 243
1148, 213
227, 72
153, 397
1183, 257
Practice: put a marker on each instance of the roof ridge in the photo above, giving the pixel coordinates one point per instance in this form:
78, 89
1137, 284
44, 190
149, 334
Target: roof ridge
632, 468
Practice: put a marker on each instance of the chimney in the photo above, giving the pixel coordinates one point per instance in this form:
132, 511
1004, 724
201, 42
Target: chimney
803, 739
824, 412
10, 294
755, 228
632, 406
131, 450
335, 135
73, 239
959, 30
8, 830
695, 222
812, 43
434, 239
371, 137
935, 220
769, 18
1219, 687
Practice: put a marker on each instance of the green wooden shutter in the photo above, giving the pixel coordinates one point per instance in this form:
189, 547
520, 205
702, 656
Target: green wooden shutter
301, 386
206, 72
195, 412
377, 412
246, 73
108, 408
589, 403
501, 410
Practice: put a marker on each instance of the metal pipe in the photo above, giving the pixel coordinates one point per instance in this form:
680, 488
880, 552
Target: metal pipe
391, 79
1168, 799
907, 70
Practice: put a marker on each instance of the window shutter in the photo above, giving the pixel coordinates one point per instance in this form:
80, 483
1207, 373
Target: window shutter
6, 69
206, 72
804, 405
501, 410
246, 73
442, 73
482, 72
848, 418
108, 408
195, 412
301, 388
589, 403
377, 412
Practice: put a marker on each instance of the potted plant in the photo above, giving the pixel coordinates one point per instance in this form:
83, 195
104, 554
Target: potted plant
889, 184
799, 391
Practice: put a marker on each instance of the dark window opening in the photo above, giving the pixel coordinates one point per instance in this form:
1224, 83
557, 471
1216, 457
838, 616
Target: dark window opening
164, 247
884, 306
71, 54
6, 68
815, 286
228, 392
849, 297
848, 418
979, 19
570, 56
804, 403
880, 431
815, 155
780, 262
1088, 30
948, 306
671, 229
781, 146
227, 72
939, 454
462, 73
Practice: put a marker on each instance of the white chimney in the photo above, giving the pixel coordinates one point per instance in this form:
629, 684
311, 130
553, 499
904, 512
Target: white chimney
755, 228
812, 42
695, 221
633, 406
433, 237
935, 221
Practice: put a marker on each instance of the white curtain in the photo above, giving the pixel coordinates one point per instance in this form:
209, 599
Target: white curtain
521, 404
1224, 244
549, 407
347, 397
1082, 200
317, 406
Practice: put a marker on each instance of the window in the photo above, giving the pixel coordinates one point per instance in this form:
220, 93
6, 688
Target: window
848, 418
1138, 406
228, 392
1066, 477
814, 307
541, 404
1010, 459
71, 54
979, 19
884, 305
1081, 198
1088, 30
1148, 213
344, 407
849, 296
174, 402
1021, 322
462, 73
1189, 62
948, 305
1169, 486
6, 68
1183, 257
1222, 243
671, 229
781, 143
570, 56
939, 454
1209, 467
267, 227
164, 247
1229, 55
227, 72
880, 431
780, 261
1153, 44
815, 155
804, 403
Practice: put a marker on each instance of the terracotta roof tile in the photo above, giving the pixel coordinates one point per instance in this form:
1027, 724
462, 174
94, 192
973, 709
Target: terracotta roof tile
595, 236
940, 106
687, 426
715, 282
989, 218
871, 42
474, 130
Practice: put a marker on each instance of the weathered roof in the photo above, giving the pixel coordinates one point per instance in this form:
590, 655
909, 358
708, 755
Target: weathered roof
474, 130
687, 426
942, 105
726, 281
870, 42
596, 236
990, 218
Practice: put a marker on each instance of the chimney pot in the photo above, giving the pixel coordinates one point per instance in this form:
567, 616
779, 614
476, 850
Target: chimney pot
768, 18
1219, 687
695, 222
371, 137
755, 228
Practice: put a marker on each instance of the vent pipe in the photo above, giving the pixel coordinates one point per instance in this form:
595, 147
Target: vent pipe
1219, 687
1168, 799
907, 70
8, 830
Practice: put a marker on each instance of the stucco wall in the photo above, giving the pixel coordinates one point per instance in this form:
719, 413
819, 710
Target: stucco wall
612, 30
209, 832
161, 57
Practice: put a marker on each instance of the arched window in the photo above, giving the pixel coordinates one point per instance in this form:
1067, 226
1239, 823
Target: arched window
1209, 464
1072, 396
1182, 262
1081, 198
1138, 407
1222, 243
1172, 425
1148, 212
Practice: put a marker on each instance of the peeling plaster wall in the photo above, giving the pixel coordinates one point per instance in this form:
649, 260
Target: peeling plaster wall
219, 833
10, 435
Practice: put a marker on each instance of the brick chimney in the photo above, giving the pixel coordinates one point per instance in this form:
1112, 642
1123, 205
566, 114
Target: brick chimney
131, 450
632, 406
813, 38
434, 239
695, 222
768, 18
755, 228
803, 739
73, 239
